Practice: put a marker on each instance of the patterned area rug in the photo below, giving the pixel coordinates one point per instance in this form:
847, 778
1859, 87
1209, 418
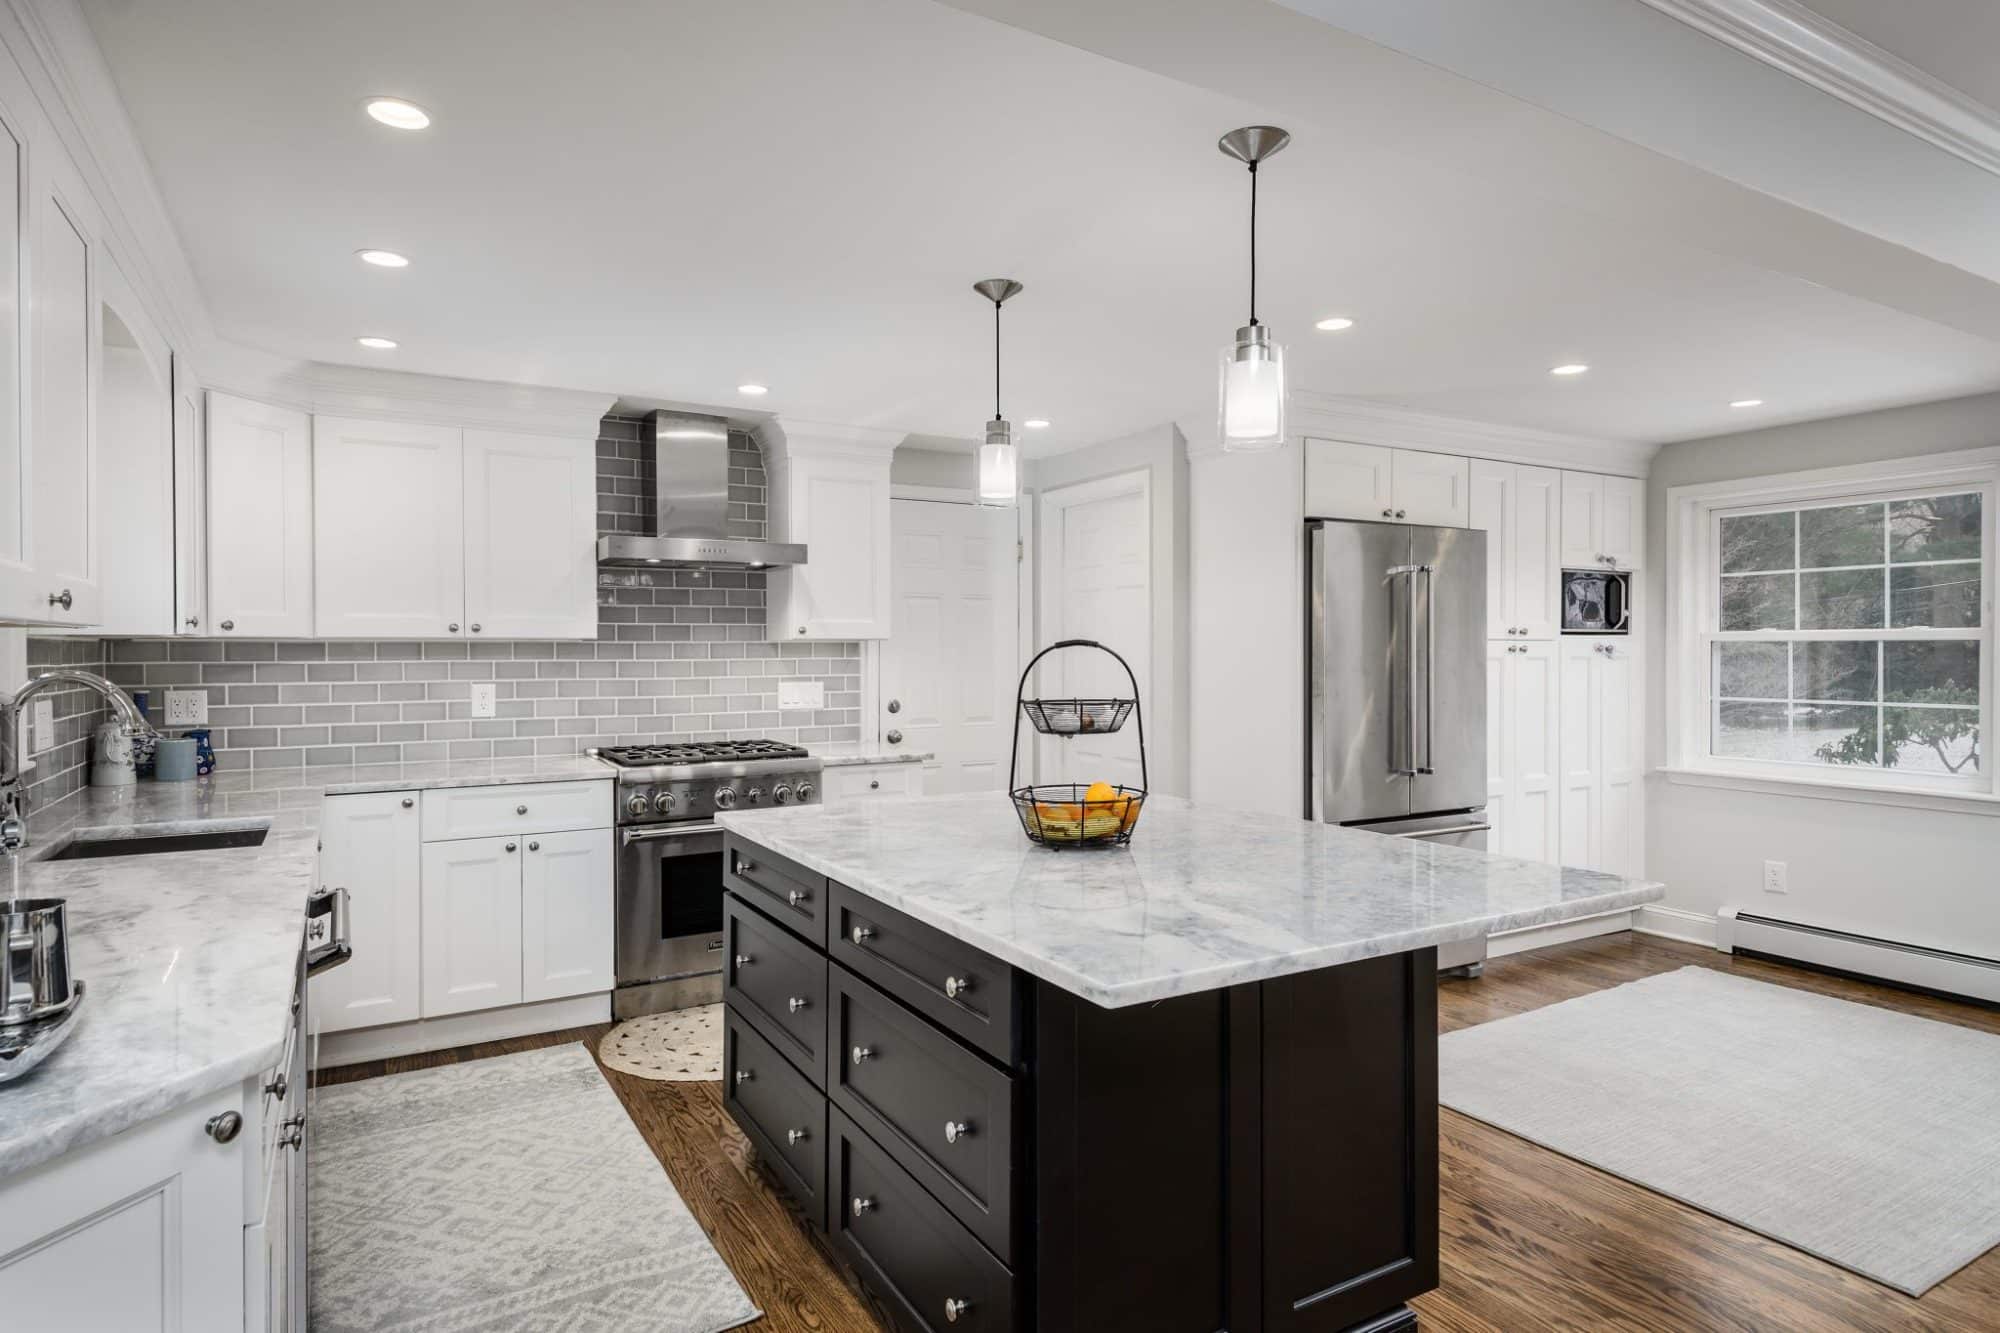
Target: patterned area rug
504, 1194
682, 1046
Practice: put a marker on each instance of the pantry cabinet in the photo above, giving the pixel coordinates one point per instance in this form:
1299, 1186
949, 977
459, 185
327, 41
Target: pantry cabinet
1603, 521
829, 490
1519, 510
1368, 481
530, 504
388, 530
371, 845
1599, 759
1521, 746
260, 519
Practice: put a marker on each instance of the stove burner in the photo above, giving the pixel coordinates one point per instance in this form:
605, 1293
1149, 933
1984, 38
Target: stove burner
698, 752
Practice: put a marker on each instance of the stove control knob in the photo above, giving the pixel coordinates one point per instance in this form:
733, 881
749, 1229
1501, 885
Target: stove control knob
804, 792
782, 794
725, 798
755, 795
637, 805
664, 803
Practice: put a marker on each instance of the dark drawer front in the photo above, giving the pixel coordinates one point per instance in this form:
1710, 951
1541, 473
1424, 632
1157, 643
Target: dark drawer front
948, 981
781, 1111
945, 1114
778, 982
787, 890
908, 1247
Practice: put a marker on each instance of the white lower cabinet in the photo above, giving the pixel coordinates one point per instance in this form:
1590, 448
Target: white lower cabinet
471, 925
1521, 745
861, 782
1599, 772
371, 845
566, 927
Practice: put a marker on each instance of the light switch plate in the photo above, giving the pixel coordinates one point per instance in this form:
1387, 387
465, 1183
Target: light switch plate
484, 698
801, 694
187, 708
44, 726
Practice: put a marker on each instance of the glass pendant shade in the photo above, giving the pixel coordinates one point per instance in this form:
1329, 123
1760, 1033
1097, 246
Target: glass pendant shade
1252, 392
999, 466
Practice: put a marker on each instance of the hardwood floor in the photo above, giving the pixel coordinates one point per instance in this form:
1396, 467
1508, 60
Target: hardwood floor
1531, 1240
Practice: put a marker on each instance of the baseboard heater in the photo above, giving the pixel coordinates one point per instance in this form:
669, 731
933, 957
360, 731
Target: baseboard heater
1863, 955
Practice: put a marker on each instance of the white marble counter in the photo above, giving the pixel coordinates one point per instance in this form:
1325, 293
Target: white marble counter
1200, 899
847, 754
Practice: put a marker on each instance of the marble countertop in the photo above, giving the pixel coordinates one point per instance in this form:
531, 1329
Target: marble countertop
1202, 898
847, 754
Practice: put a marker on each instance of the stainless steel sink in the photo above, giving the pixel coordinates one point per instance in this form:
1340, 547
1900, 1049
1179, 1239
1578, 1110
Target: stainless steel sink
87, 848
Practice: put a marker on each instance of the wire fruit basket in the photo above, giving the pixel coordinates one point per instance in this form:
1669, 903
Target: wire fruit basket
1075, 814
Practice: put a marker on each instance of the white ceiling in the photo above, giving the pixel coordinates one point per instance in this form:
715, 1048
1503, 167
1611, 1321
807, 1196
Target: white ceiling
663, 201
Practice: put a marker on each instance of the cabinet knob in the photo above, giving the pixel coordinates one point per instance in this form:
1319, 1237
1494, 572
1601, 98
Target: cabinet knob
861, 1053
894, 738
409, 802
475, 627
797, 896
1388, 513
796, 1003
802, 629
744, 866
292, 1134
510, 846
795, 1137
895, 705
229, 624
954, 1308
520, 809
956, 986
744, 960
453, 627
62, 599
277, 1086
874, 784
954, 1130
861, 1205
192, 621
534, 846
1399, 513
861, 934
225, 1127
745, 1075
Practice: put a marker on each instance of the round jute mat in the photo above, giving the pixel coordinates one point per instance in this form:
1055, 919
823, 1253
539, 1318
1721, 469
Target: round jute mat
682, 1046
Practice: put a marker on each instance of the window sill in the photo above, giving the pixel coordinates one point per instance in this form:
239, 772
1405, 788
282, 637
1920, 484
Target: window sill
1914, 798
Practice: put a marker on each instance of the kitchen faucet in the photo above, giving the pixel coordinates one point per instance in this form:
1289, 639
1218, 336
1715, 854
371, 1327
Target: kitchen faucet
12, 765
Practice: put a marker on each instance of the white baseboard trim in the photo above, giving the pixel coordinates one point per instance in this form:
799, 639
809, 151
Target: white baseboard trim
441, 1034
1677, 924
1537, 937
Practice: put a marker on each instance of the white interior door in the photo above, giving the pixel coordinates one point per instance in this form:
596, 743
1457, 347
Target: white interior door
1096, 549
949, 664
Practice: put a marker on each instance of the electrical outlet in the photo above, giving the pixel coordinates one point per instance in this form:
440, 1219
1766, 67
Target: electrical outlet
484, 698
44, 726
1774, 877
187, 708
800, 694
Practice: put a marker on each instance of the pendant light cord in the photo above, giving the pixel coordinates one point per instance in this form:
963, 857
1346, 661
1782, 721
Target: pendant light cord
1253, 244
996, 360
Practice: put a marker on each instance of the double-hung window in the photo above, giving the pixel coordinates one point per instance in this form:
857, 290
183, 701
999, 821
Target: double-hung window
1843, 628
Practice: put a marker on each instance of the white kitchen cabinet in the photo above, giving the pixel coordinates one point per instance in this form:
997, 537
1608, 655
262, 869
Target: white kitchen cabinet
846, 783
530, 536
371, 845
20, 590
829, 489
566, 914
135, 456
260, 519
1521, 746
64, 522
1519, 509
1600, 755
471, 933
1368, 481
190, 506
1603, 521
388, 529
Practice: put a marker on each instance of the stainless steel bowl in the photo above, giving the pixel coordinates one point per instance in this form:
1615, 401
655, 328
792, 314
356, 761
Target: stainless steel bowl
35, 980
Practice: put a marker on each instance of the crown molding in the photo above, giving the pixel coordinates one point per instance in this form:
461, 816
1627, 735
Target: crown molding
361, 391
1790, 37
781, 439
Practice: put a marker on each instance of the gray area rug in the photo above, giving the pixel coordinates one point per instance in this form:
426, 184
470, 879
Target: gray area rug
1866, 1137
511, 1193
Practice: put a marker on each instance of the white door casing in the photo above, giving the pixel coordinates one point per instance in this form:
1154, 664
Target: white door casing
260, 518
530, 536
949, 664
388, 529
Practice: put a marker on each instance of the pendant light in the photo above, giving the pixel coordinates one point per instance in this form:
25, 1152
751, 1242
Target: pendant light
1252, 394
999, 460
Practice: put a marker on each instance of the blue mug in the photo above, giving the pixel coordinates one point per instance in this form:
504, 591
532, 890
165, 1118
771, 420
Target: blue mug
204, 753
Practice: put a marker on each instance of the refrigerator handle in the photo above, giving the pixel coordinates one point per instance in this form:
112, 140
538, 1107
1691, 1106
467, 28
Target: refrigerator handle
1404, 762
1430, 667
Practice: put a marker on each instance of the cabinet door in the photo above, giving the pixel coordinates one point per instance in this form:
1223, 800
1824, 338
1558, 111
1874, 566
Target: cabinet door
388, 530
1499, 737
1580, 738
371, 846
1492, 511
1617, 669
190, 507
471, 925
530, 536
840, 510
64, 519
1582, 520
1530, 693
1349, 480
260, 545
566, 914
134, 406
1625, 521
19, 588
1431, 488
1534, 556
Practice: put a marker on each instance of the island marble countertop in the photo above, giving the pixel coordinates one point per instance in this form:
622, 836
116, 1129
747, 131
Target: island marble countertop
187, 957
846, 754
1202, 898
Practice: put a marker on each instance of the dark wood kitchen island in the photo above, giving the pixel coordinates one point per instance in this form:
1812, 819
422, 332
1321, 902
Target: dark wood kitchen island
1186, 1085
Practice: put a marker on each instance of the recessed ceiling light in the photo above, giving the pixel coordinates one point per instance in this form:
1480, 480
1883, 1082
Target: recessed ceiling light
1570, 368
752, 390
382, 258
1748, 402
398, 114
1334, 324
1036, 423
378, 344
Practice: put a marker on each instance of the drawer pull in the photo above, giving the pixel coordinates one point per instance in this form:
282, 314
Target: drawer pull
861, 934
861, 1205
954, 1308
797, 896
744, 960
745, 1075
796, 1003
956, 986
795, 1137
860, 1053
745, 867
954, 1130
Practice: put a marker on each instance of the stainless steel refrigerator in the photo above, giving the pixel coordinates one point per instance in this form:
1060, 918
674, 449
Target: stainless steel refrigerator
1396, 684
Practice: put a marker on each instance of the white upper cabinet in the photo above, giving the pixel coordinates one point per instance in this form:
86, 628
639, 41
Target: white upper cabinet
135, 457
190, 507
64, 522
530, 536
1603, 521
1518, 507
1369, 481
18, 585
388, 530
260, 519
829, 489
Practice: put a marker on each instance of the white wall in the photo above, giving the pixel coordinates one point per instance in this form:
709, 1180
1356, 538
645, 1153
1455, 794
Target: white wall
1928, 877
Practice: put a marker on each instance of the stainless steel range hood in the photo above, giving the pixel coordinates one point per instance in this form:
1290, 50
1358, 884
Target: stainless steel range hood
691, 463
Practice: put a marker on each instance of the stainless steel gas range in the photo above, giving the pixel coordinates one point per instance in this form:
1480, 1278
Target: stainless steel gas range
669, 950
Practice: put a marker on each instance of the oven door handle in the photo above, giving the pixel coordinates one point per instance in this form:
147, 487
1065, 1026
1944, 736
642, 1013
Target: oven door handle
632, 835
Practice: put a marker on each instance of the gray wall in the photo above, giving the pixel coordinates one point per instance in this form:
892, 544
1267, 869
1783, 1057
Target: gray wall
1921, 875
